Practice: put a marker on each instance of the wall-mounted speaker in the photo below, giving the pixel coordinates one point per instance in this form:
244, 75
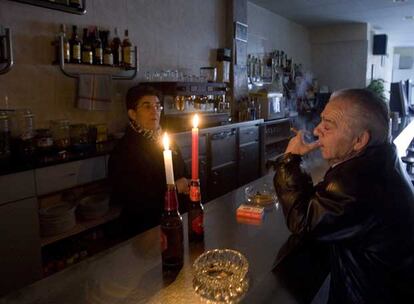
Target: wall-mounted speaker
380, 45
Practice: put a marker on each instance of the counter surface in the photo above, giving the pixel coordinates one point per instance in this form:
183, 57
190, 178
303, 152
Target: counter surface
131, 272
14, 165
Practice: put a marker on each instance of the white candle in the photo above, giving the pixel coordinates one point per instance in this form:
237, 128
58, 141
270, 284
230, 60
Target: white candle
169, 172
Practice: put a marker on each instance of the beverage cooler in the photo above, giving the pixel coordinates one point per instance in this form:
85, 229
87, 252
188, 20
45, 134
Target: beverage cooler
182, 99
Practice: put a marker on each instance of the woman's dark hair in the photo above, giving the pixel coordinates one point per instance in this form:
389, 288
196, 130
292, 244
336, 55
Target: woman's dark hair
135, 93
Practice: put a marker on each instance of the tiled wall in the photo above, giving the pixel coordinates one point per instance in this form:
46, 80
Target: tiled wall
170, 34
268, 31
340, 54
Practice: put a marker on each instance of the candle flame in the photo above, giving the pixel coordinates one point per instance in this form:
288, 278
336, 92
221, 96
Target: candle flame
166, 141
195, 121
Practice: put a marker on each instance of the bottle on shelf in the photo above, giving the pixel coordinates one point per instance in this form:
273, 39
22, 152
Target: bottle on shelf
254, 68
126, 51
66, 45
258, 110
97, 47
87, 54
116, 46
249, 66
4, 137
195, 213
23, 136
241, 110
75, 46
252, 110
108, 57
260, 69
172, 245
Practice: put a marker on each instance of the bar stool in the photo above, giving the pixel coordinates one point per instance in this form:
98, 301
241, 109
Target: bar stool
409, 158
409, 161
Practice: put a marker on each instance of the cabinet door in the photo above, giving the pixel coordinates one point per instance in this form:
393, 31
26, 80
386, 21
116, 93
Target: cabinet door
20, 261
16, 186
248, 134
249, 163
56, 178
223, 147
278, 131
222, 180
184, 142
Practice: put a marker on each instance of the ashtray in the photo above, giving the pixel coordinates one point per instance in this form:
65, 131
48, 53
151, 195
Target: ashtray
220, 276
263, 195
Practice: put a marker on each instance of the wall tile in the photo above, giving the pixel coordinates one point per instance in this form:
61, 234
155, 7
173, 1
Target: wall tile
170, 34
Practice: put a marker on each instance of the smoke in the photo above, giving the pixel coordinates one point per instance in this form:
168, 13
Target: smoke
303, 83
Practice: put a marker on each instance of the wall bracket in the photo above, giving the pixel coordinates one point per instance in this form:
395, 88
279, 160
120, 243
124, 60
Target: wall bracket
6, 45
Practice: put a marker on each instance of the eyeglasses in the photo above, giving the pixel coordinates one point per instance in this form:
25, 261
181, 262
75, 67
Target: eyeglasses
149, 106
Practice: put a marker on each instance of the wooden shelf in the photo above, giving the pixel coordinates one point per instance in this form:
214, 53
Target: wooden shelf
113, 213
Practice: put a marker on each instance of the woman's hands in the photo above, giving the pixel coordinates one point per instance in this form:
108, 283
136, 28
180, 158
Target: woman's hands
182, 185
297, 145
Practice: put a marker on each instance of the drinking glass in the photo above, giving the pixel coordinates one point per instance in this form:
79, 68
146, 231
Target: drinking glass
263, 195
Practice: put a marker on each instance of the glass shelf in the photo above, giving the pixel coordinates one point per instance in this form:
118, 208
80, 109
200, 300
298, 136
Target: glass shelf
57, 5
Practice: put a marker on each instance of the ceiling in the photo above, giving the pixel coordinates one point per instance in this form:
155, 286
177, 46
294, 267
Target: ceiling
385, 16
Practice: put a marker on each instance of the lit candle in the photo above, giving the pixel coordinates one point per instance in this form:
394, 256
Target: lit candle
194, 154
169, 172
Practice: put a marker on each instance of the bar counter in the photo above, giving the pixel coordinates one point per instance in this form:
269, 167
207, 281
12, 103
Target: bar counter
132, 273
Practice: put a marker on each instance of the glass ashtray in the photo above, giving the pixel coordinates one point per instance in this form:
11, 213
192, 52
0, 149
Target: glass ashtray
220, 276
263, 195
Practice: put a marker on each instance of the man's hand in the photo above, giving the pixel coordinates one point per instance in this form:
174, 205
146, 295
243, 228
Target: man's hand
182, 185
298, 146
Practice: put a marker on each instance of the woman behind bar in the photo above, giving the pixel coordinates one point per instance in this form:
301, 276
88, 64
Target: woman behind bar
363, 209
136, 166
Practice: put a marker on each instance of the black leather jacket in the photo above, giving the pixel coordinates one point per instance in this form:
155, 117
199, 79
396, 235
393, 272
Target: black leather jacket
364, 211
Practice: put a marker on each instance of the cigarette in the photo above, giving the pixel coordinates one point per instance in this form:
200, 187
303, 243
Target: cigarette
294, 130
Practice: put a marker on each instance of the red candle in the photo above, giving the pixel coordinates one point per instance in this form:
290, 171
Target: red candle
194, 146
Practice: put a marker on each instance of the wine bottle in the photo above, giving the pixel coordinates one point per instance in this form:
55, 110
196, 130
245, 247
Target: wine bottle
97, 48
108, 55
66, 45
195, 213
75, 46
87, 54
116, 48
126, 51
172, 245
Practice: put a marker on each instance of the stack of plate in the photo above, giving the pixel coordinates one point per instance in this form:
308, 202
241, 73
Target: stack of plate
93, 206
57, 219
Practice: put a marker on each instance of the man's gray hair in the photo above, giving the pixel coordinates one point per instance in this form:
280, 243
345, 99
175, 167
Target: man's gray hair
366, 112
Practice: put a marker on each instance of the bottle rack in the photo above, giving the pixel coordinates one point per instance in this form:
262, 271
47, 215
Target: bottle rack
77, 69
56, 6
6, 43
